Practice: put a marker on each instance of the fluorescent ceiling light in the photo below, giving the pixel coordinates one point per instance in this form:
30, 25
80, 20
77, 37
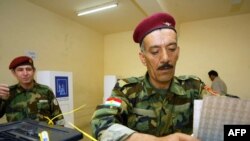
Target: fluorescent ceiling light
97, 8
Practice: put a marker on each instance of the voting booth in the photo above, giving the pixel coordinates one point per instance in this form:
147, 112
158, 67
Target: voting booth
61, 85
109, 84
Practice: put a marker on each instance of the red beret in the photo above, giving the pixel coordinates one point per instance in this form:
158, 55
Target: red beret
151, 23
21, 60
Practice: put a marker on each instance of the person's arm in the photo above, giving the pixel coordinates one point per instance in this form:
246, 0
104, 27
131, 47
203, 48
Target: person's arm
4, 95
116, 132
55, 110
109, 121
142, 137
171, 137
2, 108
4, 92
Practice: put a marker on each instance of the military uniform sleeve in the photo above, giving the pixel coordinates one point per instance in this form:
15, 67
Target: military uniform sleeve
116, 132
2, 108
109, 120
56, 112
191, 82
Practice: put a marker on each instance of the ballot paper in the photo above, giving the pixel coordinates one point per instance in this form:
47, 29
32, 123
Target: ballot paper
197, 114
213, 112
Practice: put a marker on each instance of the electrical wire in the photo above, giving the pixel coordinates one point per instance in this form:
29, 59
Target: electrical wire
50, 122
84, 133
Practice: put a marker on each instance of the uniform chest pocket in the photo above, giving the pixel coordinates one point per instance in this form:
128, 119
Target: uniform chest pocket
144, 120
42, 105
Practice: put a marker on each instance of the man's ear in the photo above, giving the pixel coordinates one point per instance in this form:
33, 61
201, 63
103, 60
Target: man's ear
142, 58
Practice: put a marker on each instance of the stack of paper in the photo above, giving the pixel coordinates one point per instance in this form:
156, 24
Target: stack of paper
211, 114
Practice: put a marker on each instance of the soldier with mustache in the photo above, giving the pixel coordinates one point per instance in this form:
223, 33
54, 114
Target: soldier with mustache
157, 106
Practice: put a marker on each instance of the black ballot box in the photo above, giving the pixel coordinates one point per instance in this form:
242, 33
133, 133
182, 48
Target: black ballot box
29, 130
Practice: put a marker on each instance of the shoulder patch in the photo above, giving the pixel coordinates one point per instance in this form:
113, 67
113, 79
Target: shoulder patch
129, 81
186, 77
113, 101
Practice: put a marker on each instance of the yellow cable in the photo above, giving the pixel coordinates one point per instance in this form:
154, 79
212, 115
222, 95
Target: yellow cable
85, 134
69, 112
51, 120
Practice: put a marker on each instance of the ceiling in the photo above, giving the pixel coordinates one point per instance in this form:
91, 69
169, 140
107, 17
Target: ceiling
129, 12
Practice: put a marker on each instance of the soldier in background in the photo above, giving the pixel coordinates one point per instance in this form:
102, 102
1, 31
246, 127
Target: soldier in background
157, 106
28, 99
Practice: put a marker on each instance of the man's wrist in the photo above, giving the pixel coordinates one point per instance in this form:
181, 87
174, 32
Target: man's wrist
139, 136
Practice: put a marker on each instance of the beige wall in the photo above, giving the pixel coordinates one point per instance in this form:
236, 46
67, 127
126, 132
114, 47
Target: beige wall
63, 45
121, 56
60, 45
221, 44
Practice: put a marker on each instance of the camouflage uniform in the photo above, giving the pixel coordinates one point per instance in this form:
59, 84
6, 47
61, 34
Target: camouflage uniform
146, 109
34, 104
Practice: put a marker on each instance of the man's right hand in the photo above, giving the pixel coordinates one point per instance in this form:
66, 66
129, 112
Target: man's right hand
4, 91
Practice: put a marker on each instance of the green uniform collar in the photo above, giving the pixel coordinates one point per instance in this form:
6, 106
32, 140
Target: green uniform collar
175, 87
21, 89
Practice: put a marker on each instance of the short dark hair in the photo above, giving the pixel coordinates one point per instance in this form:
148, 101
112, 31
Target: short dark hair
212, 72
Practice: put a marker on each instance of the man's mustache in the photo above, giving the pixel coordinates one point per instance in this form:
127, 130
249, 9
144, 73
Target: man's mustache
165, 66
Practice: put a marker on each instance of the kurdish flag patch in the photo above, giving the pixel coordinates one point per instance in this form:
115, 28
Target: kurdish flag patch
112, 101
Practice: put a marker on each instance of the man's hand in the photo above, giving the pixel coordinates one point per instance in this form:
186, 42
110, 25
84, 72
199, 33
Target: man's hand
4, 91
172, 137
